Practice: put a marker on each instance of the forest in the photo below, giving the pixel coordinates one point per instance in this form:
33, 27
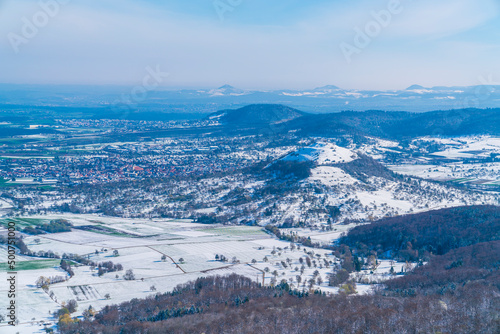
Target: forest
234, 304
418, 236
54, 226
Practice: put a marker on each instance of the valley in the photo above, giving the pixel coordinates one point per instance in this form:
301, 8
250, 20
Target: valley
266, 192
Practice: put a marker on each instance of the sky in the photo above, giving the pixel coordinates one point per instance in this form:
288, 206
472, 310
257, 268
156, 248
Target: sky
251, 44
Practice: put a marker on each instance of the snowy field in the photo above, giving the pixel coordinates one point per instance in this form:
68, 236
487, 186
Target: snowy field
468, 160
169, 252
469, 147
481, 173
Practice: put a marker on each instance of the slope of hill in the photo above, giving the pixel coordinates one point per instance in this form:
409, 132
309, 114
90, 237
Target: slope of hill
393, 125
360, 186
227, 90
437, 232
322, 154
235, 304
257, 114
461, 122
478, 262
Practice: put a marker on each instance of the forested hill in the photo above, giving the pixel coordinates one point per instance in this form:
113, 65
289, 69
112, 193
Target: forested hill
413, 237
235, 304
395, 125
257, 114
460, 245
400, 125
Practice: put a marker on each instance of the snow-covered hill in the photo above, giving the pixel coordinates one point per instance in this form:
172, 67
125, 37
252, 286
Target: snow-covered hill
322, 153
361, 187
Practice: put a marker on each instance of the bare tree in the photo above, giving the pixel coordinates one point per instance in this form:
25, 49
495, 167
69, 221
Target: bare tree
71, 305
129, 275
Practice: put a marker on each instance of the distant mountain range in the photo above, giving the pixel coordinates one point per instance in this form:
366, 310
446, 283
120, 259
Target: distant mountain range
329, 98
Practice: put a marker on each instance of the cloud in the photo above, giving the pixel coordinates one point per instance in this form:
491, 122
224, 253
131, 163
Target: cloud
114, 41
437, 19
418, 18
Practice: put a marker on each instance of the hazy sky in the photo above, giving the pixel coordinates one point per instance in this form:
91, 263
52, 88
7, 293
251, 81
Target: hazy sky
251, 44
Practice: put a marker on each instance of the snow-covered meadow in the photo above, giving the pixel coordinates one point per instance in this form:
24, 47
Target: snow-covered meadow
162, 254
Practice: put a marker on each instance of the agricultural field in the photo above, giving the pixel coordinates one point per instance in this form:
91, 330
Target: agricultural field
162, 253
471, 160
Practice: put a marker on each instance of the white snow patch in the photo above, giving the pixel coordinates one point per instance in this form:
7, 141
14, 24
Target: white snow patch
330, 176
322, 153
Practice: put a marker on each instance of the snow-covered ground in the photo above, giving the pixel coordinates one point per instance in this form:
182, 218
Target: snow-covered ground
5, 205
323, 153
488, 173
331, 176
469, 160
470, 147
174, 252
